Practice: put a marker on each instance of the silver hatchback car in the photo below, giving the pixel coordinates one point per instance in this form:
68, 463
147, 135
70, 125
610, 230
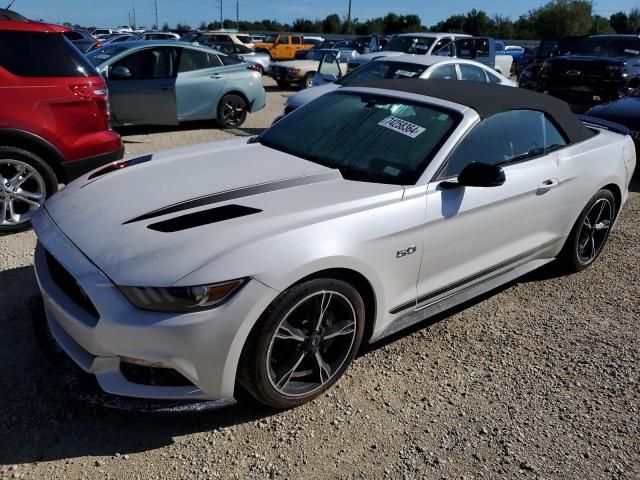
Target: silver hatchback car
165, 83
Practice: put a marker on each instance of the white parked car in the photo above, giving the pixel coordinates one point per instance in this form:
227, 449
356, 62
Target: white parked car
331, 76
269, 262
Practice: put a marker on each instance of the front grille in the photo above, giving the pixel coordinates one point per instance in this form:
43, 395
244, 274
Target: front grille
154, 376
65, 282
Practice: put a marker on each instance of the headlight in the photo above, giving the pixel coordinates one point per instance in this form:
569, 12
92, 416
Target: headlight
182, 299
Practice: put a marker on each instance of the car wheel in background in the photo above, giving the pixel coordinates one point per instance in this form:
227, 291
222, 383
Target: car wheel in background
25, 183
232, 111
307, 82
303, 343
590, 233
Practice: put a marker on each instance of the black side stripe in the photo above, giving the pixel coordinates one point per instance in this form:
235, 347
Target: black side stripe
238, 193
471, 278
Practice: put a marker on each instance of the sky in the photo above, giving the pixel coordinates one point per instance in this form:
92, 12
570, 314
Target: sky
111, 13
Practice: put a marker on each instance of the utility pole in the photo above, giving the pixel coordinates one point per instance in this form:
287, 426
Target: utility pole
155, 11
221, 19
238, 14
349, 18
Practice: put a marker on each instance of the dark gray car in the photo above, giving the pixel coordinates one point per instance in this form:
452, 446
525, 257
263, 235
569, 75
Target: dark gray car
83, 40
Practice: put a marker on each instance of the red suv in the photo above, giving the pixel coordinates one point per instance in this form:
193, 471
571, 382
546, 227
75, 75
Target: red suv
54, 118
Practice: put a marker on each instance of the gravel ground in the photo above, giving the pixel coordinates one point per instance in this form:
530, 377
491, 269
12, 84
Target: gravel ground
537, 380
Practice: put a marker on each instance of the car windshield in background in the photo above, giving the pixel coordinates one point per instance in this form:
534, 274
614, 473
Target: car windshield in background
383, 70
244, 38
269, 39
419, 45
101, 55
367, 137
610, 46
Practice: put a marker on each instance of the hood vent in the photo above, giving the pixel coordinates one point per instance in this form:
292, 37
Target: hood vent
204, 217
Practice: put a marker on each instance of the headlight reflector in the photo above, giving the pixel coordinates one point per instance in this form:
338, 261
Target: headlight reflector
182, 299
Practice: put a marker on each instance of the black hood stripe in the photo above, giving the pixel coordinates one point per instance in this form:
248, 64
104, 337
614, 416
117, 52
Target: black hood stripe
238, 193
203, 217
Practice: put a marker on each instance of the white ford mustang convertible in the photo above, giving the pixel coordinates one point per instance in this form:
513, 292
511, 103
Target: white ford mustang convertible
266, 264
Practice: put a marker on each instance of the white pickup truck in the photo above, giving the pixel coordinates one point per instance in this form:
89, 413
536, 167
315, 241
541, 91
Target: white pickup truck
480, 49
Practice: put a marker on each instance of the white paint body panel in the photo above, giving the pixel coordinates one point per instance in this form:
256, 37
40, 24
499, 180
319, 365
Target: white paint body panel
301, 230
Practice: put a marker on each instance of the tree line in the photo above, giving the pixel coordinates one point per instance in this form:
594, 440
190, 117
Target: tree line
557, 18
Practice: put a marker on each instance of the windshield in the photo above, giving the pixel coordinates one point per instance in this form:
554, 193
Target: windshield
244, 38
408, 44
269, 39
101, 55
368, 137
383, 70
610, 46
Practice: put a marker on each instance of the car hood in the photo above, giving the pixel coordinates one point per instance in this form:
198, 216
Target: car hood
305, 96
302, 64
625, 111
113, 218
589, 58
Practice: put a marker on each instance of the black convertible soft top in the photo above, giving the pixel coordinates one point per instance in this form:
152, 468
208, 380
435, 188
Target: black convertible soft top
488, 99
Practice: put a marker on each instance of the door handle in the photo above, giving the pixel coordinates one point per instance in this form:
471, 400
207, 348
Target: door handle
216, 75
165, 87
547, 185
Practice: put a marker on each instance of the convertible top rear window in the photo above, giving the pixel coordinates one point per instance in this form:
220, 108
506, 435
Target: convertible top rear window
367, 137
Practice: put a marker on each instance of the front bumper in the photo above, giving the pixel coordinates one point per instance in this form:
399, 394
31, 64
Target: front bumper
203, 347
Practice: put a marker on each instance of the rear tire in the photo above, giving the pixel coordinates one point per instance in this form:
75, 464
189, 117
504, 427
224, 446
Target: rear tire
295, 353
232, 111
590, 233
26, 181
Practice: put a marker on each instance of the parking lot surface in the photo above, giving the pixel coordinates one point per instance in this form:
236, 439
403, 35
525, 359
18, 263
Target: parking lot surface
540, 379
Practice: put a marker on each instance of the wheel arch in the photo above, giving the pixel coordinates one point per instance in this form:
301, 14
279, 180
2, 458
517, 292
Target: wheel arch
617, 195
36, 145
360, 283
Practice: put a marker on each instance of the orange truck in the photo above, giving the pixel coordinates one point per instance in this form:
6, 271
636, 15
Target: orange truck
283, 46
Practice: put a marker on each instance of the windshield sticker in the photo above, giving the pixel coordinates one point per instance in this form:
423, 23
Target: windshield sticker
402, 126
632, 52
405, 73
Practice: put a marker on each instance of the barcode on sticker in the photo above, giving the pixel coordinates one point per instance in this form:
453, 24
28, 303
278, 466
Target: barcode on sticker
402, 126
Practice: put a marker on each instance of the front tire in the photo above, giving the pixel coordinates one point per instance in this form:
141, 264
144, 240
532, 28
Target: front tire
232, 111
303, 343
590, 233
26, 181
307, 82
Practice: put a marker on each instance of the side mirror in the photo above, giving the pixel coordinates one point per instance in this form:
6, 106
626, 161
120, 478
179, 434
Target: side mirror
478, 174
329, 77
120, 73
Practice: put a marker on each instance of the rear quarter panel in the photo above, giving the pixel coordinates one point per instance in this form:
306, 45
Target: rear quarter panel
585, 168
